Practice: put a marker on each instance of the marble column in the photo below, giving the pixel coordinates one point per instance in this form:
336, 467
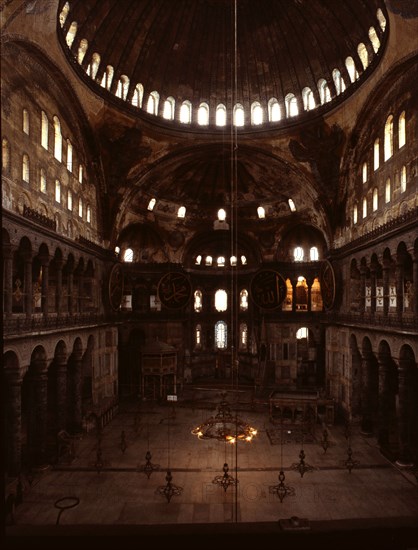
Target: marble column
28, 286
8, 280
294, 283
38, 420
61, 389
13, 428
77, 372
70, 290
415, 284
58, 289
45, 285
366, 398
363, 274
386, 271
405, 458
399, 287
383, 428
373, 291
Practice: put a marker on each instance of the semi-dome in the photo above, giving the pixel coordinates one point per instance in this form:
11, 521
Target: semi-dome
195, 61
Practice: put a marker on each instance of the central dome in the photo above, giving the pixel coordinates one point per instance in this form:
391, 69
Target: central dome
268, 59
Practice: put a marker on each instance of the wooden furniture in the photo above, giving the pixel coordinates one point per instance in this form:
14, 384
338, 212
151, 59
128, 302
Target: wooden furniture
159, 362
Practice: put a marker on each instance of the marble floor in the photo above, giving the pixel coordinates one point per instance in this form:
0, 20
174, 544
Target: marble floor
107, 482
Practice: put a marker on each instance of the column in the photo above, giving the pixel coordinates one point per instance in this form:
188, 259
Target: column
405, 458
383, 428
38, 420
58, 290
61, 389
309, 282
363, 274
77, 403
70, 290
399, 287
367, 418
294, 283
373, 291
415, 284
386, 271
45, 284
8, 280
28, 286
13, 410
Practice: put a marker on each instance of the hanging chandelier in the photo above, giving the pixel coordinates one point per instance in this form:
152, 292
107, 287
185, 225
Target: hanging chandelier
225, 426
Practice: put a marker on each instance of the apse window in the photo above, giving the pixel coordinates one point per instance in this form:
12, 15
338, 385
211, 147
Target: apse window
128, 255
220, 335
69, 200
198, 260
221, 261
151, 204
198, 300
181, 212
221, 215
291, 205
243, 300
261, 212
364, 207
208, 260
243, 260
221, 300
313, 254
298, 254
302, 333
401, 130
233, 260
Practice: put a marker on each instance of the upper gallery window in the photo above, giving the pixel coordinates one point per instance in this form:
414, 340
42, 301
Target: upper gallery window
221, 300
57, 191
5, 155
69, 156
44, 130
401, 130
313, 254
25, 121
298, 254
57, 139
42, 181
25, 168
388, 144
376, 152
364, 172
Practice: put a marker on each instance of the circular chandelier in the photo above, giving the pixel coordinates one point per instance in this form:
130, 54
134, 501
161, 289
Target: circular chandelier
225, 426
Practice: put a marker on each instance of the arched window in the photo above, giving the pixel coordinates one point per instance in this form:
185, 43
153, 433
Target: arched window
355, 214
186, 112
220, 115
221, 300
291, 105
107, 77
221, 335
363, 55
80, 173
261, 212
221, 215
292, 205
403, 179
302, 333
198, 260
138, 95
243, 260
243, 335
181, 212
364, 172
93, 66
203, 114
238, 117
72, 31
243, 300
82, 49
88, 214
374, 39
152, 105
151, 204
208, 260
44, 130
381, 18
233, 260
376, 152
375, 199
221, 261
57, 191
25, 125
313, 254
298, 254
274, 112
64, 13
387, 191
5, 155
122, 87
198, 300
25, 168
401, 130
323, 89
198, 337
364, 207
80, 207
351, 68
69, 156
256, 113
388, 143
70, 200
42, 181
168, 109
338, 81
57, 139
308, 99
128, 255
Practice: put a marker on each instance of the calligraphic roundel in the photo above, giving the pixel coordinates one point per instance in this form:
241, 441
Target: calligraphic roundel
327, 280
174, 290
268, 289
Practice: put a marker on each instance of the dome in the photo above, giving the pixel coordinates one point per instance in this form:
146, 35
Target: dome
194, 60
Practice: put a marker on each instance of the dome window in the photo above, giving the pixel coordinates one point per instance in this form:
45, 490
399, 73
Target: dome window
168, 110
220, 115
256, 113
291, 205
238, 115
186, 112
203, 114
274, 110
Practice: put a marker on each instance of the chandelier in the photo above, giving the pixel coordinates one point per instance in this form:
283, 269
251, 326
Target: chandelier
225, 426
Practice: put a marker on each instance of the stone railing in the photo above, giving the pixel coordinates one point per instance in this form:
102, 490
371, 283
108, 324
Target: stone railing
39, 218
